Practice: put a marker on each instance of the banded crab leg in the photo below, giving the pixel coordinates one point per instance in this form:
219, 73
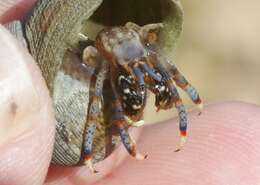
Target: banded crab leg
95, 105
167, 95
181, 82
183, 120
120, 122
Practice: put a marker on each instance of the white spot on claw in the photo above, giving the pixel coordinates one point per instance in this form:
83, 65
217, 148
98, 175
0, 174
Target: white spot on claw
126, 91
136, 107
162, 88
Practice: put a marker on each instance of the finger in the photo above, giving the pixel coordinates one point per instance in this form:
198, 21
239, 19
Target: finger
223, 148
26, 117
14, 9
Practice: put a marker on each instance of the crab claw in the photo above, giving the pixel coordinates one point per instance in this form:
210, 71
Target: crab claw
182, 141
89, 164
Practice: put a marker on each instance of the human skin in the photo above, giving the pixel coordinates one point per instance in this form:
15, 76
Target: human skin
222, 147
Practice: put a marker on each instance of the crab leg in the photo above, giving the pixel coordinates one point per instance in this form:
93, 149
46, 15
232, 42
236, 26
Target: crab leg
181, 82
120, 123
95, 104
173, 98
182, 114
119, 120
94, 111
182, 124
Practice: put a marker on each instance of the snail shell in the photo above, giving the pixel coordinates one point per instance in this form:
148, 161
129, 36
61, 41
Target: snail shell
52, 27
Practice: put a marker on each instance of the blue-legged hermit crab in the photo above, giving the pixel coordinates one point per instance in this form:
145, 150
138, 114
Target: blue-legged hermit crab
129, 58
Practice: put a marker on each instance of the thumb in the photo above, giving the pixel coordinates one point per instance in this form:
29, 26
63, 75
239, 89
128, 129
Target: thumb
26, 117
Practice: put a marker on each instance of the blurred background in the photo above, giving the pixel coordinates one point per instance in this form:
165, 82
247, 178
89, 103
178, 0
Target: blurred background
219, 52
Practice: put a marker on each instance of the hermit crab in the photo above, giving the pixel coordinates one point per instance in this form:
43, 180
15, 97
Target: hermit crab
100, 85
129, 58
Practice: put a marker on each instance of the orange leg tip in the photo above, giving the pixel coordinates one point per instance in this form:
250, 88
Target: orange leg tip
87, 157
183, 133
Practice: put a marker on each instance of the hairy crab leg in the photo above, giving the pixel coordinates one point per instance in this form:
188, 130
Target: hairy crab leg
95, 109
181, 82
95, 105
174, 98
182, 113
121, 124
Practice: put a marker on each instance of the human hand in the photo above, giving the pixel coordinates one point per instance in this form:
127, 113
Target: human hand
222, 148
